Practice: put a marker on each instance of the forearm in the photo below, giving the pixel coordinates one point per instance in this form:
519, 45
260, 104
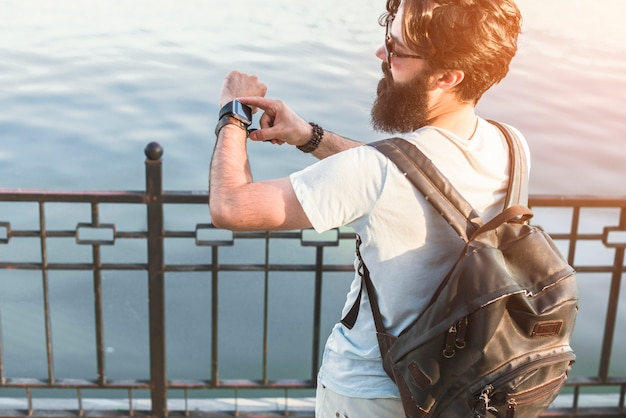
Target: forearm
333, 143
229, 170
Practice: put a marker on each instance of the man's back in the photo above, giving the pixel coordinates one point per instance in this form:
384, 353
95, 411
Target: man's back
406, 245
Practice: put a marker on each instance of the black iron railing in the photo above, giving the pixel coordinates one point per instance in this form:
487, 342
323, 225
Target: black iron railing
572, 221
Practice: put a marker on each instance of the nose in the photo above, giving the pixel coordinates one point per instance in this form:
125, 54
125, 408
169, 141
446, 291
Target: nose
381, 53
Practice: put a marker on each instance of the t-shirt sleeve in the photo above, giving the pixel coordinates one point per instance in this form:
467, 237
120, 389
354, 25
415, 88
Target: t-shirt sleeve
341, 189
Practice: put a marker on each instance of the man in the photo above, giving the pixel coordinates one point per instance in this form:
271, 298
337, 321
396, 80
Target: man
438, 58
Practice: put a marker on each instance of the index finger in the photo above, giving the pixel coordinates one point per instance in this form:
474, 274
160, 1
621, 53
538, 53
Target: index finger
260, 102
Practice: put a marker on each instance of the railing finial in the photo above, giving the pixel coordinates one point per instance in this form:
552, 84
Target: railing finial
154, 151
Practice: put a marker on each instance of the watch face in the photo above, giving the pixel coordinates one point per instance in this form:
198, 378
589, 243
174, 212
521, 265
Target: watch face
242, 112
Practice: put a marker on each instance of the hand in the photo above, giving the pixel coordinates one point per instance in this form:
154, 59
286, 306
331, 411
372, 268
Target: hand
279, 124
238, 84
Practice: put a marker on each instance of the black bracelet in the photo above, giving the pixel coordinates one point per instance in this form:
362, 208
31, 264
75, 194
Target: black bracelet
315, 140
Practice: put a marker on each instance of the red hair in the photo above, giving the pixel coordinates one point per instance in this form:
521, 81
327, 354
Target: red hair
478, 37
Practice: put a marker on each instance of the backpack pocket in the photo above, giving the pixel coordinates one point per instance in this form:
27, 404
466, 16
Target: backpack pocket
525, 391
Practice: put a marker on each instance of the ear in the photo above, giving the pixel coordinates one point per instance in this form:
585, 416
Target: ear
447, 80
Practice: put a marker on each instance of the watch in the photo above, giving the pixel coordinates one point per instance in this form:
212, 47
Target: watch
235, 113
237, 110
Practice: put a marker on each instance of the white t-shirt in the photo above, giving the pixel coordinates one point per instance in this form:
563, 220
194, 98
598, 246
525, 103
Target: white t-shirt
407, 246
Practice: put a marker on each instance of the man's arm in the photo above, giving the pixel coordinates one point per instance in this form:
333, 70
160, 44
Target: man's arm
238, 203
235, 201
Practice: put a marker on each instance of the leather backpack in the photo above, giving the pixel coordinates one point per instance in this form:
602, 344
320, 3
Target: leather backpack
494, 340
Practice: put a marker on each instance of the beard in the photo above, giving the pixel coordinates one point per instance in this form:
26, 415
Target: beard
400, 108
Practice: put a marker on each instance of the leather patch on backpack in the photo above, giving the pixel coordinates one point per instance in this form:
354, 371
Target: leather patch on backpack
419, 377
547, 328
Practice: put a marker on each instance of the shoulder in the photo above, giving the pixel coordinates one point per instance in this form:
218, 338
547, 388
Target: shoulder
341, 188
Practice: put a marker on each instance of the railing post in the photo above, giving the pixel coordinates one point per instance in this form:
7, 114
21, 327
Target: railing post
612, 309
156, 285
317, 313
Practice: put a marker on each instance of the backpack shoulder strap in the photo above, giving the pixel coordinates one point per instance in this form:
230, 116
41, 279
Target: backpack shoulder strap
517, 192
432, 184
443, 196
436, 188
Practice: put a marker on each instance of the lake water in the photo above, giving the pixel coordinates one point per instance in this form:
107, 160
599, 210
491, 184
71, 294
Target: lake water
84, 86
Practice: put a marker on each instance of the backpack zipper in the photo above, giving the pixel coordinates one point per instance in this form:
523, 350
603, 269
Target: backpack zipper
461, 328
448, 350
528, 366
532, 395
522, 398
455, 337
482, 407
510, 410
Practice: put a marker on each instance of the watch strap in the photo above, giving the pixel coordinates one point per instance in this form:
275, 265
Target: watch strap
229, 120
227, 109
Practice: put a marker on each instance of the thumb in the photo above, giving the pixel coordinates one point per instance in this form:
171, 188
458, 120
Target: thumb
265, 135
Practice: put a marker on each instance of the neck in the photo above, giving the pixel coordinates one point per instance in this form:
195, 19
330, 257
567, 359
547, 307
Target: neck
459, 119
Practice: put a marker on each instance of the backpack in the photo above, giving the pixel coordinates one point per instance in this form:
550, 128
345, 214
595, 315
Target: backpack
494, 340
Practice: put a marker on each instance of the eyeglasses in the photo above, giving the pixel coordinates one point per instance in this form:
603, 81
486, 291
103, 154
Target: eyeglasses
389, 43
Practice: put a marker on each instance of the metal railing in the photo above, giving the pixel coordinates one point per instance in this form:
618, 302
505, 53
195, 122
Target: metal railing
571, 221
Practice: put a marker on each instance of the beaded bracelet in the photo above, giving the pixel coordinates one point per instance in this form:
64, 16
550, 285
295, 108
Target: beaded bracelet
315, 140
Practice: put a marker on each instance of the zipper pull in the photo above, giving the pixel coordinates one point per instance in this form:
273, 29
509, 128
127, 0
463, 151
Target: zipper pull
461, 328
482, 406
510, 410
448, 351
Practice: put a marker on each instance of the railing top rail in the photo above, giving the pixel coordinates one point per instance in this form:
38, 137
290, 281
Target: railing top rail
194, 196
28, 195
578, 200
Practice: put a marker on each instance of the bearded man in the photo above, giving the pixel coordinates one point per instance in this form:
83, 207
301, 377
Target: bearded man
438, 58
